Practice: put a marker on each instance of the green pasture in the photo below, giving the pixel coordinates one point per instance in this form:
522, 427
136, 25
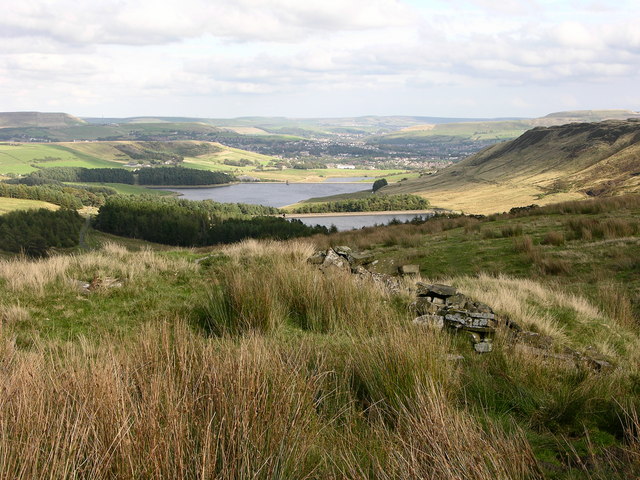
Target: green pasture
11, 204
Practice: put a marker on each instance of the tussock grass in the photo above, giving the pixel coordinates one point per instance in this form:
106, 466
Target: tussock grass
594, 228
553, 238
35, 276
569, 319
13, 313
260, 291
174, 405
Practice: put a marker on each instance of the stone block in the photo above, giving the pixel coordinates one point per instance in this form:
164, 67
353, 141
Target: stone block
409, 270
424, 306
483, 347
434, 321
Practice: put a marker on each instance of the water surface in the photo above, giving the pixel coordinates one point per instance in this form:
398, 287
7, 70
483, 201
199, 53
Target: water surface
270, 194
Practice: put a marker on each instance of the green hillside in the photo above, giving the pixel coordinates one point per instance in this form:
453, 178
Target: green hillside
495, 130
38, 119
542, 166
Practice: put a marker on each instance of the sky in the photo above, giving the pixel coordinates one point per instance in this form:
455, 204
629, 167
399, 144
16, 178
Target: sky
319, 58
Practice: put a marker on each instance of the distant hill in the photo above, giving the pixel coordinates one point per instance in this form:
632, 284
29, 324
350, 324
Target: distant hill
38, 119
543, 165
494, 130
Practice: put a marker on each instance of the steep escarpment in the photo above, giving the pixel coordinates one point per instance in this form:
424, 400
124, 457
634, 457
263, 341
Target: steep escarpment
543, 165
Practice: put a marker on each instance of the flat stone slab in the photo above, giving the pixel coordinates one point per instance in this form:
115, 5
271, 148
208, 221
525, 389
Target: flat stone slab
436, 290
488, 316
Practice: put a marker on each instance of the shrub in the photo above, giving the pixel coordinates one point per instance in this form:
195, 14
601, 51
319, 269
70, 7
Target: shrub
378, 184
553, 238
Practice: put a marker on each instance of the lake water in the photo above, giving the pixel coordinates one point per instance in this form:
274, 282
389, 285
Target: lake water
281, 194
350, 222
270, 194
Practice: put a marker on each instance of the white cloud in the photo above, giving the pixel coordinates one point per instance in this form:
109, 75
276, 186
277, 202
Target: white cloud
94, 53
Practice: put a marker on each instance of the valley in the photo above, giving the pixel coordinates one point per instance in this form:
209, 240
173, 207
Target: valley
216, 335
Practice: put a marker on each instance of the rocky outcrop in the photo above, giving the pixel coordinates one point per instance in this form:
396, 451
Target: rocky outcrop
442, 306
343, 258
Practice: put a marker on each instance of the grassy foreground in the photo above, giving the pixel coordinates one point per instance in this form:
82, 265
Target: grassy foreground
254, 364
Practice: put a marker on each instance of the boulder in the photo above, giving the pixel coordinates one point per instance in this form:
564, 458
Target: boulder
333, 260
483, 346
361, 258
423, 306
317, 258
409, 270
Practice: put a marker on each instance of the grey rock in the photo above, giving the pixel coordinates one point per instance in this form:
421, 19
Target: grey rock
454, 358
479, 322
361, 258
409, 270
442, 291
458, 319
317, 258
488, 316
434, 321
424, 306
333, 260
483, 347
457, 300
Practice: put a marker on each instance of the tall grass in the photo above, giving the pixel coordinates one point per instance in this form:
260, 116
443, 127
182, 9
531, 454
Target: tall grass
174, 405
260, 291
36, 276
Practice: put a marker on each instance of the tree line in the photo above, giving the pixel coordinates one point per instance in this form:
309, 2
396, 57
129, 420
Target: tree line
374, 203
187, 223
78, 174
145, 176
66, 196
34, 232
181, 176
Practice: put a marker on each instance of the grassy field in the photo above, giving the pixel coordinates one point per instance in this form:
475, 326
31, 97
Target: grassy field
11, 204
19, 158
24, 158
129, 189
252, 363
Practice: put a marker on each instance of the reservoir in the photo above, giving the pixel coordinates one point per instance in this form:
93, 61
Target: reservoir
282, 194
270, 194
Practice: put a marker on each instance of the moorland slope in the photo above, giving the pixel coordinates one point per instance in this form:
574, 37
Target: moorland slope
542, 166
38, 119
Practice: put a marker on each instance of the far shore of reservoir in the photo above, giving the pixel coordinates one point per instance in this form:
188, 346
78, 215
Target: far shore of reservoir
350, 214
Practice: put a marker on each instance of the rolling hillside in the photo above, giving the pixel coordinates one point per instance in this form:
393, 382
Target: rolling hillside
494, 130
542, 166
38, 119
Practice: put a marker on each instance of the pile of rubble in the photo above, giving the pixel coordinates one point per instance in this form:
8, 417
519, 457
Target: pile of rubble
441, 306
342, 258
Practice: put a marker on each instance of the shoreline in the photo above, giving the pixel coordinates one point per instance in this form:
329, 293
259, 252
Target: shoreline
352, 214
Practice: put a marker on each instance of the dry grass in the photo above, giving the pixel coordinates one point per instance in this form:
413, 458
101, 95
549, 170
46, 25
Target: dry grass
172, 405
13, 313
35, 276
616, 303
553, 238
260, 291
529, 303
441, 442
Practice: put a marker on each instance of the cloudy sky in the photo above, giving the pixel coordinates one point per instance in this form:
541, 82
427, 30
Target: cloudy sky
306, 58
